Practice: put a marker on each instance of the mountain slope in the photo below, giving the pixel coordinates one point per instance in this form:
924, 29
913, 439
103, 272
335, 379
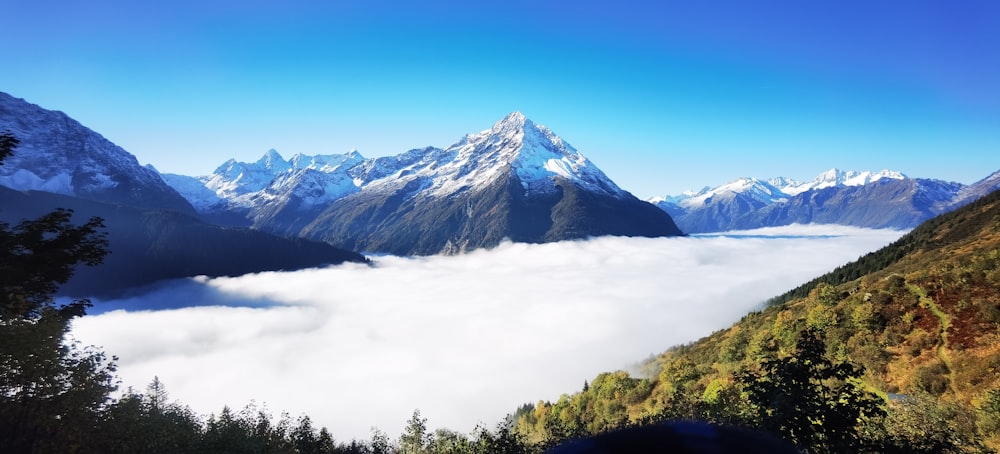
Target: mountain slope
151, 245
978, 189
516, 180
920, 316
57, 154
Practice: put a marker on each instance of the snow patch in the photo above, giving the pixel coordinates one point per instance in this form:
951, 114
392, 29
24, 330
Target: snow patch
25, 180
775, 190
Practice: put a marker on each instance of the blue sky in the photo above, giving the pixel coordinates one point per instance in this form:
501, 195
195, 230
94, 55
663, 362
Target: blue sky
664, 96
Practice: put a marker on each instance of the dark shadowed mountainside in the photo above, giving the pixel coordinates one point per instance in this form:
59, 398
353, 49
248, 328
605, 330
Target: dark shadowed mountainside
151, 245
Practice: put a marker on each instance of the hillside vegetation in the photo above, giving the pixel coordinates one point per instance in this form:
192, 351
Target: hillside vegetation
916, 324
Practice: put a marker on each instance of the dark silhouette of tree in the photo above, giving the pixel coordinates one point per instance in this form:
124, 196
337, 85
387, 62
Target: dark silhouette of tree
149, 423
809, 400
51, 389
505, 439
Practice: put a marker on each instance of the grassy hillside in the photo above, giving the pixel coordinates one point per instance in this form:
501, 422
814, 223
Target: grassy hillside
920, 317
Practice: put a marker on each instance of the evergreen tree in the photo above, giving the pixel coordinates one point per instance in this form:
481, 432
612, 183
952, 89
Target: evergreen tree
149, 423
51, 389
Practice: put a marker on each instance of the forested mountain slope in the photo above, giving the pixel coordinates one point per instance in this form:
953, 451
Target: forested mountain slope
920, 318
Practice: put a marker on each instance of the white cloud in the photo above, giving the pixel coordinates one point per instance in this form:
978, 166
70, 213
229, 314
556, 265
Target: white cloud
466, 338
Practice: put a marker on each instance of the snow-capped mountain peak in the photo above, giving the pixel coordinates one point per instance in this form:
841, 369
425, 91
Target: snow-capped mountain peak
326, 163
316, 179
514, 147
235, 178
836, 177
758, 190
273, 161
533, 152
775, 190
512, 123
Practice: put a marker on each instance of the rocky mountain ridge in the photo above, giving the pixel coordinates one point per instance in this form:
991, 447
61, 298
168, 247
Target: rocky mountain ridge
517, 180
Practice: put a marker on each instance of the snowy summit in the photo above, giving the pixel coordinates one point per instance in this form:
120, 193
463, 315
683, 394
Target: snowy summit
515, 144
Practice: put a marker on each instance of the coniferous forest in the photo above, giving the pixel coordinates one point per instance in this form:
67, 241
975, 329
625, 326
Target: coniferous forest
897, 352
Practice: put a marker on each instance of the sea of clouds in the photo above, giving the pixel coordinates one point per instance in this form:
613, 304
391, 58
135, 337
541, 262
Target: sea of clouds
465, 339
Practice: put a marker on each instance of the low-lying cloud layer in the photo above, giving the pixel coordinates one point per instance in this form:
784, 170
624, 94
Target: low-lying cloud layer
465, 339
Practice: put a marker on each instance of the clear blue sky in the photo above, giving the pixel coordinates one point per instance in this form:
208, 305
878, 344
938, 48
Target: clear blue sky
662, 95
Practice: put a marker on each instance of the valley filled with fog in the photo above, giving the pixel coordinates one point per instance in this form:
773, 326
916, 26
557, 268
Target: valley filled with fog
464, 338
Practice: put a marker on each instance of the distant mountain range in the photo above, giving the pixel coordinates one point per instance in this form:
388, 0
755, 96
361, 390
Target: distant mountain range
516, 180
885, 199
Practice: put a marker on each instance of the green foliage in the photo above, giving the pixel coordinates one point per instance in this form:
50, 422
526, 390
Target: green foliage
809, 400
989, 413
446, 442
924, 424
821, 318
415, 438
504, 439
938, 232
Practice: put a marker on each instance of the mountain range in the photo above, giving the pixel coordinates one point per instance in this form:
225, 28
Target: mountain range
516, 181
885, 199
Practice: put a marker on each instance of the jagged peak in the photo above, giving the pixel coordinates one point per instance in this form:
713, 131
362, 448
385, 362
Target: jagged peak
515, 117
325, 162
835, 174
270, 157
513, 122
273, 161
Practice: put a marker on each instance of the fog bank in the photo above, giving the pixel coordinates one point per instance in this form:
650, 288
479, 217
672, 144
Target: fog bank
466, 338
